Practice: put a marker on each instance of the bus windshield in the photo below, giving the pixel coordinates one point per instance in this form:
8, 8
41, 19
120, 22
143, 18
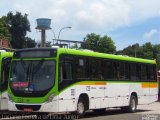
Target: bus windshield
32, 75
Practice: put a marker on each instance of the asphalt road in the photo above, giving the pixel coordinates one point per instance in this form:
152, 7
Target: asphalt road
144, 112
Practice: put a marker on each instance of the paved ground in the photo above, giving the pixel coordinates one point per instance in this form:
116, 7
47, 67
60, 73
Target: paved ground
144, 112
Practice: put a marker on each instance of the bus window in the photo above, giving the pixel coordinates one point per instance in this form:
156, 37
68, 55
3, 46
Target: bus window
80, 65
127, 71
107, 69
65, 72
138, 72
115, 69
6, 62
133, 71
143, 73
95, 69
121, 71
152, 71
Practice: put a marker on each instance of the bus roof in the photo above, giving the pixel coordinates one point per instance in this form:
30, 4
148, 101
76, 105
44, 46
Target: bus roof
83, 52
6, 54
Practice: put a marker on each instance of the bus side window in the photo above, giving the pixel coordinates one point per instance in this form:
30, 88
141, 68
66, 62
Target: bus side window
106, 67
95, 69
66, 72
127, 71
133, 71
121, 71
115, 69
6, 62
143, 73
138, 72
152, 73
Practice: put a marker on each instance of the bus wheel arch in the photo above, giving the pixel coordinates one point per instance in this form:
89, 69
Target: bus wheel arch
136, 96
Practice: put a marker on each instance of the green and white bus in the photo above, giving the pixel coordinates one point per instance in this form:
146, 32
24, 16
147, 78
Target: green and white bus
67, 80
5, 62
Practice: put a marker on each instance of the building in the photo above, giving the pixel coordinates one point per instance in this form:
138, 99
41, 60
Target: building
4, 43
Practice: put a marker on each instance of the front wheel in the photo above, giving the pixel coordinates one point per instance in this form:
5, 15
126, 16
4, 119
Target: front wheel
81, 107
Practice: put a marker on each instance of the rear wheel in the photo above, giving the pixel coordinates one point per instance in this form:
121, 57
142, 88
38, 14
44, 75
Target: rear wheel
132, 105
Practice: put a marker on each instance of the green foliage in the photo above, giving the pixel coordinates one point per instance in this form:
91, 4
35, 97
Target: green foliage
156, 54
100, 44
48, 44
4, 31
147, 51
75, 46
134, 50
30, 43
18, 26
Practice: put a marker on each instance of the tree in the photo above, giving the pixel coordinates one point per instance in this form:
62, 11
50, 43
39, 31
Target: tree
4, 31
18, 27
156, 54
100, 44
74, 46
148, 50
134, 50
48, 44
30, 43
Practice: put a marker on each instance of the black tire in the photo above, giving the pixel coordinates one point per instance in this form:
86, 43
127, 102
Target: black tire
81, 107
132, 105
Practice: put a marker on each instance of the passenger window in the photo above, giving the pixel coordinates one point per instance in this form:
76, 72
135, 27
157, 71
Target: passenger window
138, 72
133, 72
107, 69
67, 70
80, 68
121, 71
143, 73
152, 73
127, 71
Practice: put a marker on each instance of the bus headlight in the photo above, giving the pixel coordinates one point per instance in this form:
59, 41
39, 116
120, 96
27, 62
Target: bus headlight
50, 98
10, 98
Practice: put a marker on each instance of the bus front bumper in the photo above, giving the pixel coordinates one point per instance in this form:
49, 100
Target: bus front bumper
24, 107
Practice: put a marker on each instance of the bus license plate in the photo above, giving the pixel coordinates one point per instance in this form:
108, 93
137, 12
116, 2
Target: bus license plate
28, 109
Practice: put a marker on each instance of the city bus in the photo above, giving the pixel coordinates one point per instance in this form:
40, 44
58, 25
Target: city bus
61, 80
5, 62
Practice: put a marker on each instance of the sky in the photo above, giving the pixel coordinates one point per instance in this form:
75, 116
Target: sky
126, 21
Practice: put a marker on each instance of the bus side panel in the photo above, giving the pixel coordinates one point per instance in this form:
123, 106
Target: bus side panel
50, 106
153, 92
142, 92
4, 101
96, 96
67, 100
117, 93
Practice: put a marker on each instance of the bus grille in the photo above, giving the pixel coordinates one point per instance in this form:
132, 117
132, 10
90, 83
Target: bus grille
33, 107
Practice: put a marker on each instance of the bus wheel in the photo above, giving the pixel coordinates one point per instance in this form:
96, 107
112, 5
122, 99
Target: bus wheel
81, 107
132, 105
